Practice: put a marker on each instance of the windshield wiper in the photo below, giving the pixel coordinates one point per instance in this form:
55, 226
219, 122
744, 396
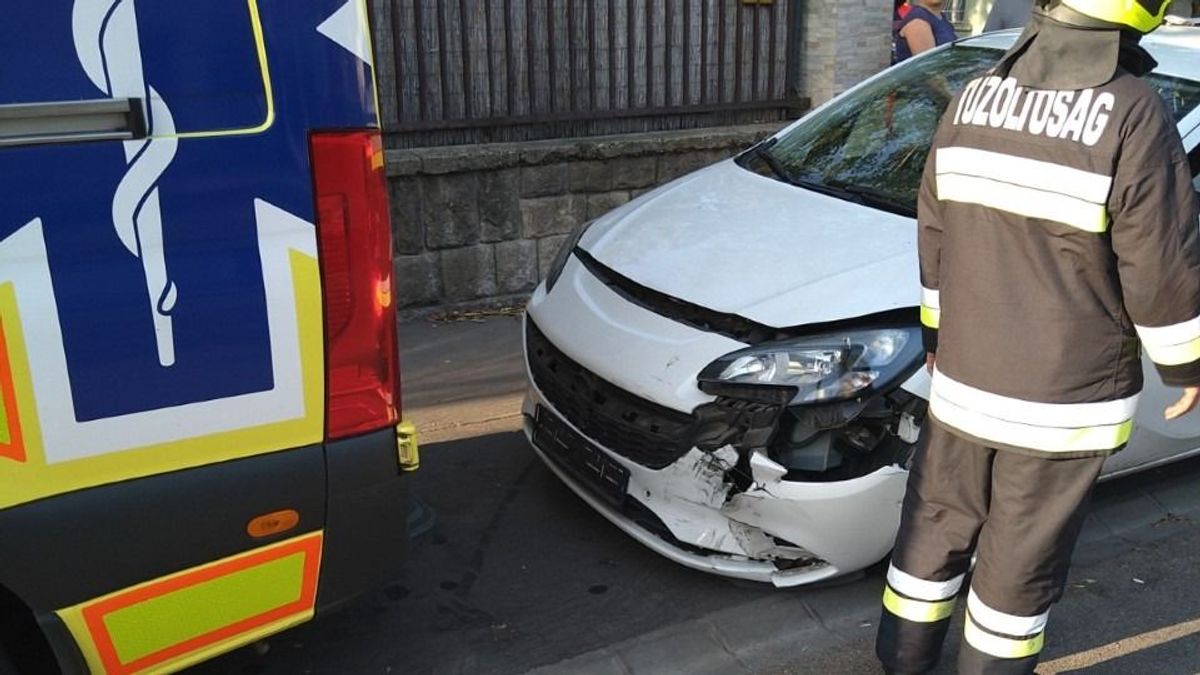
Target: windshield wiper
763, 152
869, 196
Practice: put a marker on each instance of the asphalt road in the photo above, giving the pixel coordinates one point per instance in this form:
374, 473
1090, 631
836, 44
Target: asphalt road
519, 573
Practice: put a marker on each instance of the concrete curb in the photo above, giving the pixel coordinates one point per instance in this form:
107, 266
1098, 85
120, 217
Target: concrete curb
467, 419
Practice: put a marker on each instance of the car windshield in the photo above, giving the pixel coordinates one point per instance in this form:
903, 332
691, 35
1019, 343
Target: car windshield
869, 146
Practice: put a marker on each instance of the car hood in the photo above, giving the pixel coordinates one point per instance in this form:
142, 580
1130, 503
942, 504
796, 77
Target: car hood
739, 243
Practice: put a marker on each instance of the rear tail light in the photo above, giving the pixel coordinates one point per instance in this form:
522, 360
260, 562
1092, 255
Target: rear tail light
354, 234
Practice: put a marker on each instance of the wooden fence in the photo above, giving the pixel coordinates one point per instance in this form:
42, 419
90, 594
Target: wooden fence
461, 71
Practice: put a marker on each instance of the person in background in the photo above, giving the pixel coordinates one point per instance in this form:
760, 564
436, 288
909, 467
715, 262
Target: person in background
922, 29
900, 9
1008, 14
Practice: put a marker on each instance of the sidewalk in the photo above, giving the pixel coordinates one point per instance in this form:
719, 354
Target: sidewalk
461, 379
1132, 605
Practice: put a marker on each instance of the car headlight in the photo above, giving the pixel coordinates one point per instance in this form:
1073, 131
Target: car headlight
823, 368
564, 254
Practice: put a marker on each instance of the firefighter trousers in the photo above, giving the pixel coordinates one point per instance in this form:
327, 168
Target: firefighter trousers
1020, 514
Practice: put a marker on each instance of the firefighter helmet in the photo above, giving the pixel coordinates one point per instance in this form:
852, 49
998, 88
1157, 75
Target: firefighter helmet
1141, 16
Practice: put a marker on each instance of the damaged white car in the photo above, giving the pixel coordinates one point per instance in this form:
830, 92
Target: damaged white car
730, 367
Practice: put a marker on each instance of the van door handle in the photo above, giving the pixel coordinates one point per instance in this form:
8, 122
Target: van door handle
110, 119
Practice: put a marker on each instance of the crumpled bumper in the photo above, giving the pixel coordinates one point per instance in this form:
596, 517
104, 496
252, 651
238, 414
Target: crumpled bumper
779, 532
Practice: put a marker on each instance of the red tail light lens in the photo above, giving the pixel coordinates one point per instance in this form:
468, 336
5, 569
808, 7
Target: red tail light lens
354, 234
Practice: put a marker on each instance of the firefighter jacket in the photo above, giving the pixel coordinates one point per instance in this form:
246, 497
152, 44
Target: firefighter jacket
1057, 234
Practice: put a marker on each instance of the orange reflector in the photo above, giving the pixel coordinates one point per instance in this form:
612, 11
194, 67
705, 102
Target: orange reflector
273, 523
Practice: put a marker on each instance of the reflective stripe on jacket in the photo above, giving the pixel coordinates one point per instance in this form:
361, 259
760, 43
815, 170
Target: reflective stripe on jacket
1057, 233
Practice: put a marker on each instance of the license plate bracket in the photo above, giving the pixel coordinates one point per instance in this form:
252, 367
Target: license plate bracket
584, 459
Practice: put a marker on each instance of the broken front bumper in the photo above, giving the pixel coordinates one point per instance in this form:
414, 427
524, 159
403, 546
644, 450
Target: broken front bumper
620, 427
787, 534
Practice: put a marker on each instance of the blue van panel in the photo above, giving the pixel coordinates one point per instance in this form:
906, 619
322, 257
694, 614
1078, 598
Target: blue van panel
210, 71
200, 58
228, 142
39, 55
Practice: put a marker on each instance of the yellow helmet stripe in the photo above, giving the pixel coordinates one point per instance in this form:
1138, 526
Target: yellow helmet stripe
1130, 13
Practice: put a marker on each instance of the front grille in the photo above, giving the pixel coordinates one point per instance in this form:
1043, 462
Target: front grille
639, 430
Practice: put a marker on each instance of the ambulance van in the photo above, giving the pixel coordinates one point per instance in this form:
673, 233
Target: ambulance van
200, 431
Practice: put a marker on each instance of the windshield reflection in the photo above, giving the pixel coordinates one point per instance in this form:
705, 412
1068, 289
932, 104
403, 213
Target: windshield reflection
869, 146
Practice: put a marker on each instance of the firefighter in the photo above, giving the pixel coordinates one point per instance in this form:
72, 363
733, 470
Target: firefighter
1057, 234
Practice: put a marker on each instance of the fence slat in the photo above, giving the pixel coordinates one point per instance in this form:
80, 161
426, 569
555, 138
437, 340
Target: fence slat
778, 13
590, 31
455, 69
451, 68
430, 77
539, 58
402, 35
520, 69
722, 49
580, 30
562, 53
708, 49
476, 76
635, 45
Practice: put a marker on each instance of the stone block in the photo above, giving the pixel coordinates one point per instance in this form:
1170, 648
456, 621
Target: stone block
418, 281
499, 205
673, 166
543, 216
402, 162
591, 176
634, 172
450, 210
544, 181
710, 157
408, 228
469, 273
548, 152
459, 159
547, 248
600, 204
627, 145
516, 266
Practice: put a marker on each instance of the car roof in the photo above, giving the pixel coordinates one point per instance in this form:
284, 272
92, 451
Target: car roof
1176, 48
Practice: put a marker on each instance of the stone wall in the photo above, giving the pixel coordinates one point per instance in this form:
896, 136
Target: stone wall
481, 223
